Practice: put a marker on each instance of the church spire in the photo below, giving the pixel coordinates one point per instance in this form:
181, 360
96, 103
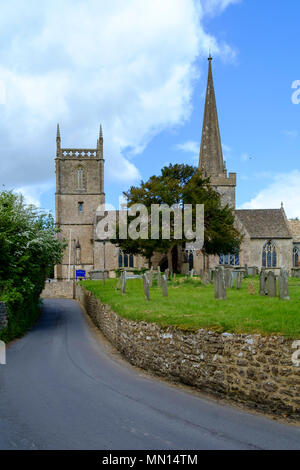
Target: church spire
211, 156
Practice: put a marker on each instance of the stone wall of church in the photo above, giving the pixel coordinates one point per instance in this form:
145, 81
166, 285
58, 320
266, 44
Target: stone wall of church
284, 249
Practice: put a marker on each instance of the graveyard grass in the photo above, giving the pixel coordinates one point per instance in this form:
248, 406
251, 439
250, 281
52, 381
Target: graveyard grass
192, 306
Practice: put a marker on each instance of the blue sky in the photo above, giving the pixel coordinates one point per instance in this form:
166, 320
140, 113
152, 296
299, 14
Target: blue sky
140, 68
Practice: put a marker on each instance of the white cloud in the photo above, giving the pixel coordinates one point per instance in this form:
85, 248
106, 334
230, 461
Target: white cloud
189, 147
293, 133
32, 194
129, 65
284, 188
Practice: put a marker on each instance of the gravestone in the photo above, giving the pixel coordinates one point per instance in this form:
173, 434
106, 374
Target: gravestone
251, 288
123, 285
246, 270
271, 284
146, 286
191, 273
228, 279
167, 273
283, 285
220, 289
252, 270
151, 277
262, 282
164, 286
119, 283
158, 276
238, 281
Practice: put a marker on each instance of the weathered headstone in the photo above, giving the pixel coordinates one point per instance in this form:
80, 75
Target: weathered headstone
167, 273
262, 282
220, 289
123, 285
228, 279
191, 273
210, 275
146, 286
251, 288
158, 276
283, 285
271, 284
246, 270
151, 277
164, 286
238, 281
118, 283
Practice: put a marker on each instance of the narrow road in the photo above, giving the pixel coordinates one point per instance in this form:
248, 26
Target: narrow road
63, 388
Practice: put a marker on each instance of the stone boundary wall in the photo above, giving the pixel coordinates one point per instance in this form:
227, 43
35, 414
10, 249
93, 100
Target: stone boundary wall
253, 370
58, 290
3, 316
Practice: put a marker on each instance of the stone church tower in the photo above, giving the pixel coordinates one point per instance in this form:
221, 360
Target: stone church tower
211, 156
79, 192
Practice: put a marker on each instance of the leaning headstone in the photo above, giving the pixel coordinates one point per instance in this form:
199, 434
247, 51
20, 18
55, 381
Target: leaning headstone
220, 289
262, 282
158, 276
238, 281
164, 286
146, 286
123, 285
283, 285
271, 284
228, 279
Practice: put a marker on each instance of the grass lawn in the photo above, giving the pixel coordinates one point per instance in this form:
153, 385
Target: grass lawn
191, 306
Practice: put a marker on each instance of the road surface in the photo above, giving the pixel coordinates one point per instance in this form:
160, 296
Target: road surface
65, 388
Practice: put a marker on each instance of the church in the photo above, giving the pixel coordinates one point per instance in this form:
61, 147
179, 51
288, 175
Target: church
270, 240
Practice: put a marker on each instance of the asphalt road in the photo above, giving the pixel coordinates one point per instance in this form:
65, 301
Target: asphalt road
64, 388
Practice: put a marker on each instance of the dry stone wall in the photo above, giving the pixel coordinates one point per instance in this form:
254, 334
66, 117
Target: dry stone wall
254, 370
58, 290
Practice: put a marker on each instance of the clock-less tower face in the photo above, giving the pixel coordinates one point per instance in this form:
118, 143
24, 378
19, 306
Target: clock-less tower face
79, 192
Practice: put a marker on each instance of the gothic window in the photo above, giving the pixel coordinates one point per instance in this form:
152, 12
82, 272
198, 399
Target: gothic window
296, 257
232, 259
125, 260
80, 178
269, 255
131, 261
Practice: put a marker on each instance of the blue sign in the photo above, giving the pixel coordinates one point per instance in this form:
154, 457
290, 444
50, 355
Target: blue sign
80, 273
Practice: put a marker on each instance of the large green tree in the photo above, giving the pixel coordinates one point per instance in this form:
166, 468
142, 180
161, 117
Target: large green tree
180, 185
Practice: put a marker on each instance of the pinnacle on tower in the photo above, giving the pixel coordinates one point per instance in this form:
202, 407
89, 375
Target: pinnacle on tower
57, 141
211, 155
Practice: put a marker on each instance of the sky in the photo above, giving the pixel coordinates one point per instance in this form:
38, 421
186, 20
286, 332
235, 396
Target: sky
140, 68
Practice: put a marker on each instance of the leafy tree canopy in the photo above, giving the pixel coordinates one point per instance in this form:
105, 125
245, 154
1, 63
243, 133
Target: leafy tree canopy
178, 185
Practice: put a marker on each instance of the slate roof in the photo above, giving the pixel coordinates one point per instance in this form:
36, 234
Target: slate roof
295, 229
265, 223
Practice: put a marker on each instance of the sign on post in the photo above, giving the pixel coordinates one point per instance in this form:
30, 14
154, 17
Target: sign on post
80, 274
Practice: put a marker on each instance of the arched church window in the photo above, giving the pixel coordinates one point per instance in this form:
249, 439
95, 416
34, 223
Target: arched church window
125, 260
80, 178
232, 259
131, 261
296, 257
269, 255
